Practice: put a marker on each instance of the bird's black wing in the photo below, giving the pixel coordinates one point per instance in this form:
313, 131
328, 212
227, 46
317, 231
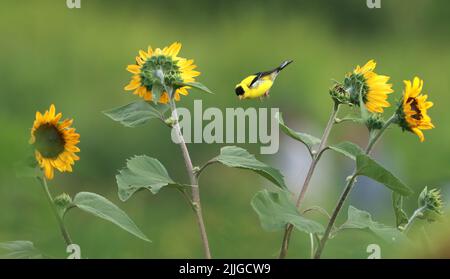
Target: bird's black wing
262, 74
258, 76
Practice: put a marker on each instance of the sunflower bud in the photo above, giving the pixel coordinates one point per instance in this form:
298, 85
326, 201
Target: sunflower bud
62, 203
170, 121
375, 121
431, 202
339, 94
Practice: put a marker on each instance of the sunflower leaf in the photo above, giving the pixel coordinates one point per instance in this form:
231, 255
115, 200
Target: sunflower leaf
20, 249
359, 219
236, 157
400, 216
103, 208
347, 149
142, 172
196, 85
137, 113
277, 209
354, 119
366, 166
306, 139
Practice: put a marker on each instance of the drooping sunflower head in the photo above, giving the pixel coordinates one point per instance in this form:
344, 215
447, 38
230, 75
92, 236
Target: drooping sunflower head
366, 85
54, 142
413, 109
431, 205
155, 68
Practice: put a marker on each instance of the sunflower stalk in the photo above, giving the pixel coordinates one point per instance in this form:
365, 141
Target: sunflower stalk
59, 218
350, 183
193, 178
315, 159
417, 213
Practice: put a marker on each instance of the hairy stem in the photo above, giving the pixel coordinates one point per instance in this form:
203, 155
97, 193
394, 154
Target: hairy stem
311, 240
411, 220
193, 180
348, 188
61, 225
315, 159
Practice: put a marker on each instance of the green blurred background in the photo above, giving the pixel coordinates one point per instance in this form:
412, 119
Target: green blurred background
76, 59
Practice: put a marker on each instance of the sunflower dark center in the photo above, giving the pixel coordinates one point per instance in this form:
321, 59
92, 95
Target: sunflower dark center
49, 141
414, 106
169, 68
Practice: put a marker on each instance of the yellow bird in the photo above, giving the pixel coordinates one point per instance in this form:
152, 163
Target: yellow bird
259, 84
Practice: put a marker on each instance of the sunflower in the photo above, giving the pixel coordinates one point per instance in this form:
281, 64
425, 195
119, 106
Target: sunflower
373, 87
54, 142
151, 65
413, 108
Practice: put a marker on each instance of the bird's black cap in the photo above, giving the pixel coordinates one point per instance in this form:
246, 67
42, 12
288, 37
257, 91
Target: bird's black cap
239, 90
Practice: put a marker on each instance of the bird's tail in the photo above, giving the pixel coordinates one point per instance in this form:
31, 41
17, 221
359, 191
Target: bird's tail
283, 65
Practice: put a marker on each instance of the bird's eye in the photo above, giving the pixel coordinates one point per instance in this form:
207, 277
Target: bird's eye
239, 90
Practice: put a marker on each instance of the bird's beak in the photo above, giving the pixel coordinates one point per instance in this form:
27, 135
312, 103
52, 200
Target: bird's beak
240, 97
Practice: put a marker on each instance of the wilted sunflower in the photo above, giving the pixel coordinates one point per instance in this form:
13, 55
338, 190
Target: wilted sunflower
373, 87
152, 64
412, 111
54, 142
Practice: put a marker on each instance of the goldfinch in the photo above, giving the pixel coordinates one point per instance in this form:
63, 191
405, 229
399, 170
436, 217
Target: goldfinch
259, 84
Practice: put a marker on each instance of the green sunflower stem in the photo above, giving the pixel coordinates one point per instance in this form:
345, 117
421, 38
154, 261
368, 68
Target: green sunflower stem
193, 179
61, 225
378, 135
411, 220
315, 159
350, 183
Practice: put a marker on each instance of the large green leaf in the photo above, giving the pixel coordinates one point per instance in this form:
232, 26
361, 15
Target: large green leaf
359, 219
347, 149
401, 217
142, 172
368, 167
236, 157
308, 140
101, 207
276, 210
20, 249
136, 113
